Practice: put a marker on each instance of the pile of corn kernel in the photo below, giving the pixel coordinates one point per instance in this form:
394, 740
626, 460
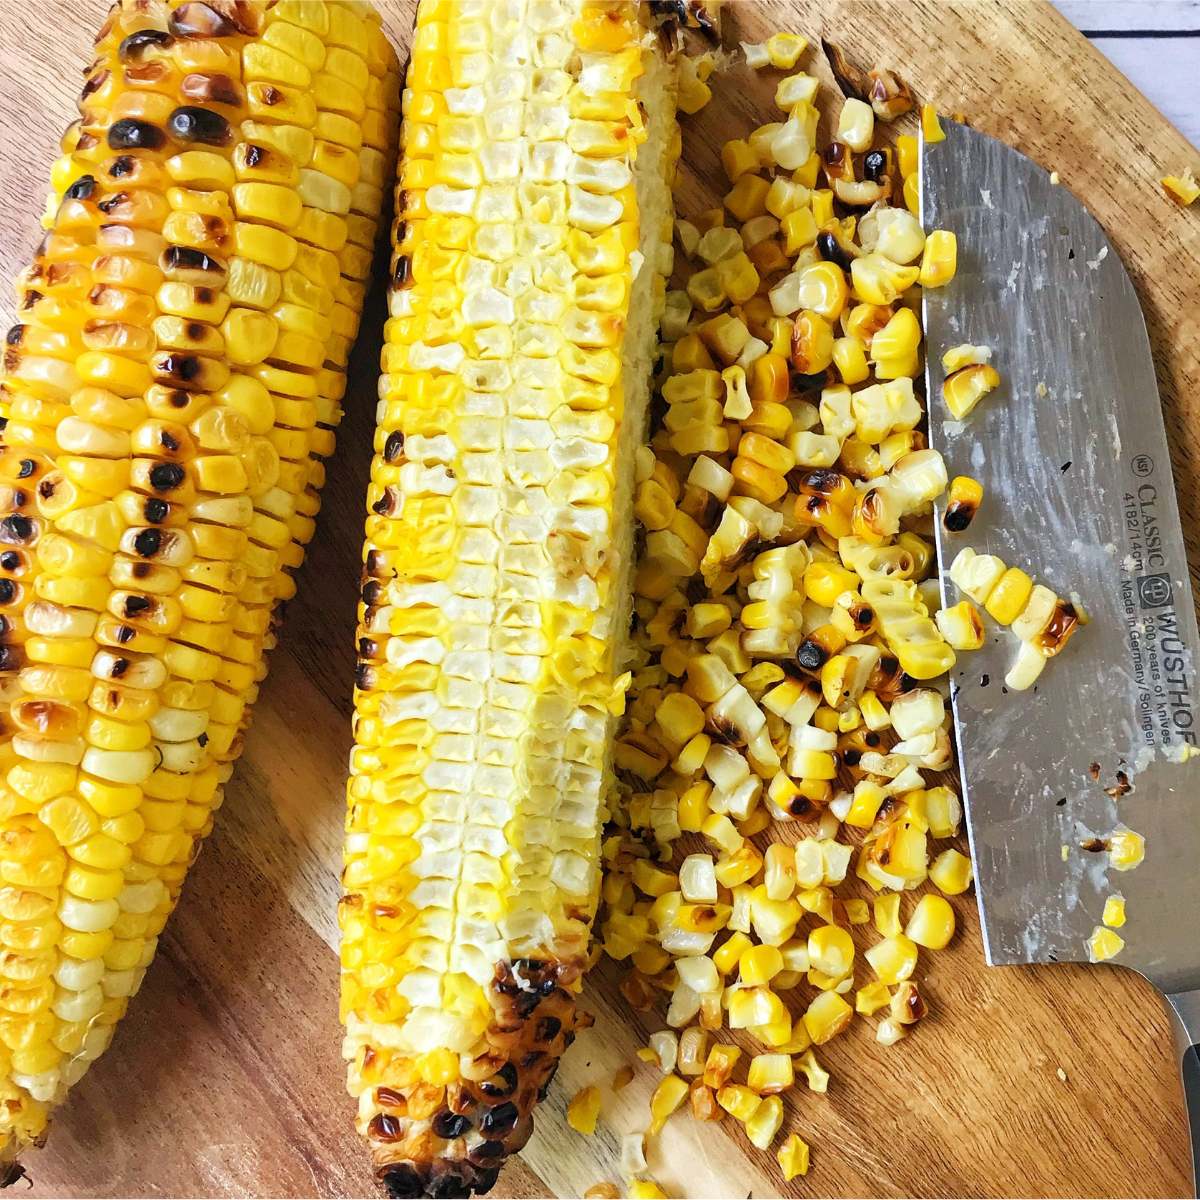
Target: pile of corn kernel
788, 693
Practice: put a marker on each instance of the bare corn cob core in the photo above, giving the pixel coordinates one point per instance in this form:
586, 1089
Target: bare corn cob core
532, 238
169, 394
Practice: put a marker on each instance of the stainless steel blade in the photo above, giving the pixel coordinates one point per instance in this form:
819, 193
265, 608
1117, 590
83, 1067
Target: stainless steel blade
1073, 457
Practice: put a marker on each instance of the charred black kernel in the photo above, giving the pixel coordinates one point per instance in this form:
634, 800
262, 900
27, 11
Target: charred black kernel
141, 570
14, 335
196, 19
254, 154
20, 496
393, 447
364, 677
112, 203
16, 529
148, 542
128, 134
81, 189
167, 439
402, 1182
180, 400
136, 44
180, 366
8, 591
202, 738
367, 648
402, 274
958, 517
872, 739
811, 656
122, 165
385, 1127
191, 124
165, 477
450, 1125
852, 757
382, 506
874, 165
136, 605
156, 510
486, 1150
93, 83
271, 95
448, 1186
31, 299
371, 592
185, 258
548, 1029
196, 330
10, 560
503, 1083
835, 154
908, 683
10, 660
500, 1119
27, 468
125, 634
831, 250
484, 1180
119, 667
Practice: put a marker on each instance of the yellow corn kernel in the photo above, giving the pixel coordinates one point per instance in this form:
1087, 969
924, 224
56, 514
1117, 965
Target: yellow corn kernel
898, 339
962, 503
894, 959
850, 359
793, 1157
737, 157
759, 964
944, 811
964, 355
858, 912
646, 1189
737, 1100
939, 262
907, 155
822, 206
584, 1110
826, 1017
932, 923
784, 49
693, 808
871, 998
1114, 911
822, 288
762, 1127
800, 229
1126, 849
1010, 595
912, 193
719, 1066
930, 125
868, 798
831, 951
770, 1073
1104, 944
1182, 188
963, 390
878, 280
748, 197
951, 872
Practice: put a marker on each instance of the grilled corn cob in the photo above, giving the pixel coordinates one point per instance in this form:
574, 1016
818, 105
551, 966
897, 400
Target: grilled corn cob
168, 394
532, 239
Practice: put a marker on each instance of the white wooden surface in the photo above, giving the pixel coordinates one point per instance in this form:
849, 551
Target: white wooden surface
1156, 44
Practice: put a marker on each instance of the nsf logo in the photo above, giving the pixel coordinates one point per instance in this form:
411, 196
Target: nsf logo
1154, 591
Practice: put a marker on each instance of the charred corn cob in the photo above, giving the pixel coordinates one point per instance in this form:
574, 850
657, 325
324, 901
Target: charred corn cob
532, 238
168, 394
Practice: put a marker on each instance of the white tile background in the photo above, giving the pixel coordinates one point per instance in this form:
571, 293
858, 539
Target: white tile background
1156, 44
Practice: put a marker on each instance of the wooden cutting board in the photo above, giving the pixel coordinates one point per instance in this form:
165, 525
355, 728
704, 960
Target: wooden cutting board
225, 1079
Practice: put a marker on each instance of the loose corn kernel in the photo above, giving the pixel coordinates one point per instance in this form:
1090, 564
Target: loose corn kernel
940, 260
748, 196
718, 1068
831, 951
1126, 849
770, 1073
961, 625
738, 1101
907, 155
1182, 188
931, 127
1104, 944
646, 1189
962, 503
762, 1127
584, 1110
871, 998
793, 1157
894, 959
668, 1096
815, 1075
826, 1017
931, 924
784, 49
965, 355
737, 158
951, 872
1114, 911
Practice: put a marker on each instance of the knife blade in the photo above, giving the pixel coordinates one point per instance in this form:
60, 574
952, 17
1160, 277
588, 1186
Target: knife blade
1073, 456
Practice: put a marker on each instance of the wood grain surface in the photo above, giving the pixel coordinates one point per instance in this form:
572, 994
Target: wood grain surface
225, 1079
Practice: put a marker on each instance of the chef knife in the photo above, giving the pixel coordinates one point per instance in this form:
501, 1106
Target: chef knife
1073, 456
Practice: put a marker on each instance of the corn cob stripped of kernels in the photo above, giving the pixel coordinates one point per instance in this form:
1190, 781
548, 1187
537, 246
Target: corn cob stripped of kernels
169, 393
532, 239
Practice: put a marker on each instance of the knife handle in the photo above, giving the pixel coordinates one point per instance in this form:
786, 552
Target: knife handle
1186, 1009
